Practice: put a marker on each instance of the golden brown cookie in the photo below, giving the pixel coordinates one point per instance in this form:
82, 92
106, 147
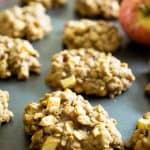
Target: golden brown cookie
108, 9
5, 114
90, 72
140, 139
46, 3
63, 120
17, 58
29, 22
99, 35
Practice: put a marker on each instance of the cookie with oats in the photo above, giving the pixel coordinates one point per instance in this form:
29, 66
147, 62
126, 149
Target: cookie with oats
63, 120
90, 72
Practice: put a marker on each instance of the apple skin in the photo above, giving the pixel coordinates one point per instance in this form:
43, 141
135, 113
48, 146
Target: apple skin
134, 23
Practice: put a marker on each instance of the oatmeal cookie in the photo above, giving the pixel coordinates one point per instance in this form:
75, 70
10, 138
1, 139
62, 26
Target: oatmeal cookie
140, 139
108, 9
100, 35
48, 4
29, 22
90, 72
17, 57
147, 87
63, 120
5, 114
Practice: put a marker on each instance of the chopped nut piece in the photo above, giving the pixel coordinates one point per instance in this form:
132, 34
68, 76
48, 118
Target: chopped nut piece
17, 57
72, 131
68, 82
48, 4
51, 143
94, 74
92, 34
140, 139
29, 22
108, 9
5, 114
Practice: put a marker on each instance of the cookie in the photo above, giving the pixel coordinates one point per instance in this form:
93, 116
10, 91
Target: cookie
29, 22
17, 58
5, 114
48, 4
108, 9
100, 35
90, 72
147, 87
63, 120
140, 139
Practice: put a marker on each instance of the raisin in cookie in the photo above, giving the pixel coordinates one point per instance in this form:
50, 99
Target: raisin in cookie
100, 35
108, 9
5, 114
63, 120
90, 72
29, 22
140, 139
46, 3
17, 57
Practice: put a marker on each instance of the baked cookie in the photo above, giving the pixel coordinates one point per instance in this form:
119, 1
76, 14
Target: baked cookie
46, 3
100, 35
90, 72
108, 9
5, 114
63, 120
147, 87
140, 139
17, 57
29, 22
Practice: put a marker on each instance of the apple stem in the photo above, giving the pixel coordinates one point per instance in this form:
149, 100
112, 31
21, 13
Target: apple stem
145, 9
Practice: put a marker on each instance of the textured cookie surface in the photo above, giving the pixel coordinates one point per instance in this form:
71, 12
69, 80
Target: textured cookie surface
17, 57
63, 120
29, 22
147, 87
5, 114
46, 3
90, 72
100, 35
140, 139
108, 9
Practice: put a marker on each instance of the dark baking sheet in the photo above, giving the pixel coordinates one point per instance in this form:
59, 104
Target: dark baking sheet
126, 108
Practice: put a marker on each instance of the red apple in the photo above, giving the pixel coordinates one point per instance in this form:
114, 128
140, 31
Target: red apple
135, 19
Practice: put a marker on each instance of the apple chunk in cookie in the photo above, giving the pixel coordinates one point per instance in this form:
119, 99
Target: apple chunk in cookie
63, 120
17, 58
5, 114
100, 35
29, 22
140, 139
89, 71
108, 9
48, 4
